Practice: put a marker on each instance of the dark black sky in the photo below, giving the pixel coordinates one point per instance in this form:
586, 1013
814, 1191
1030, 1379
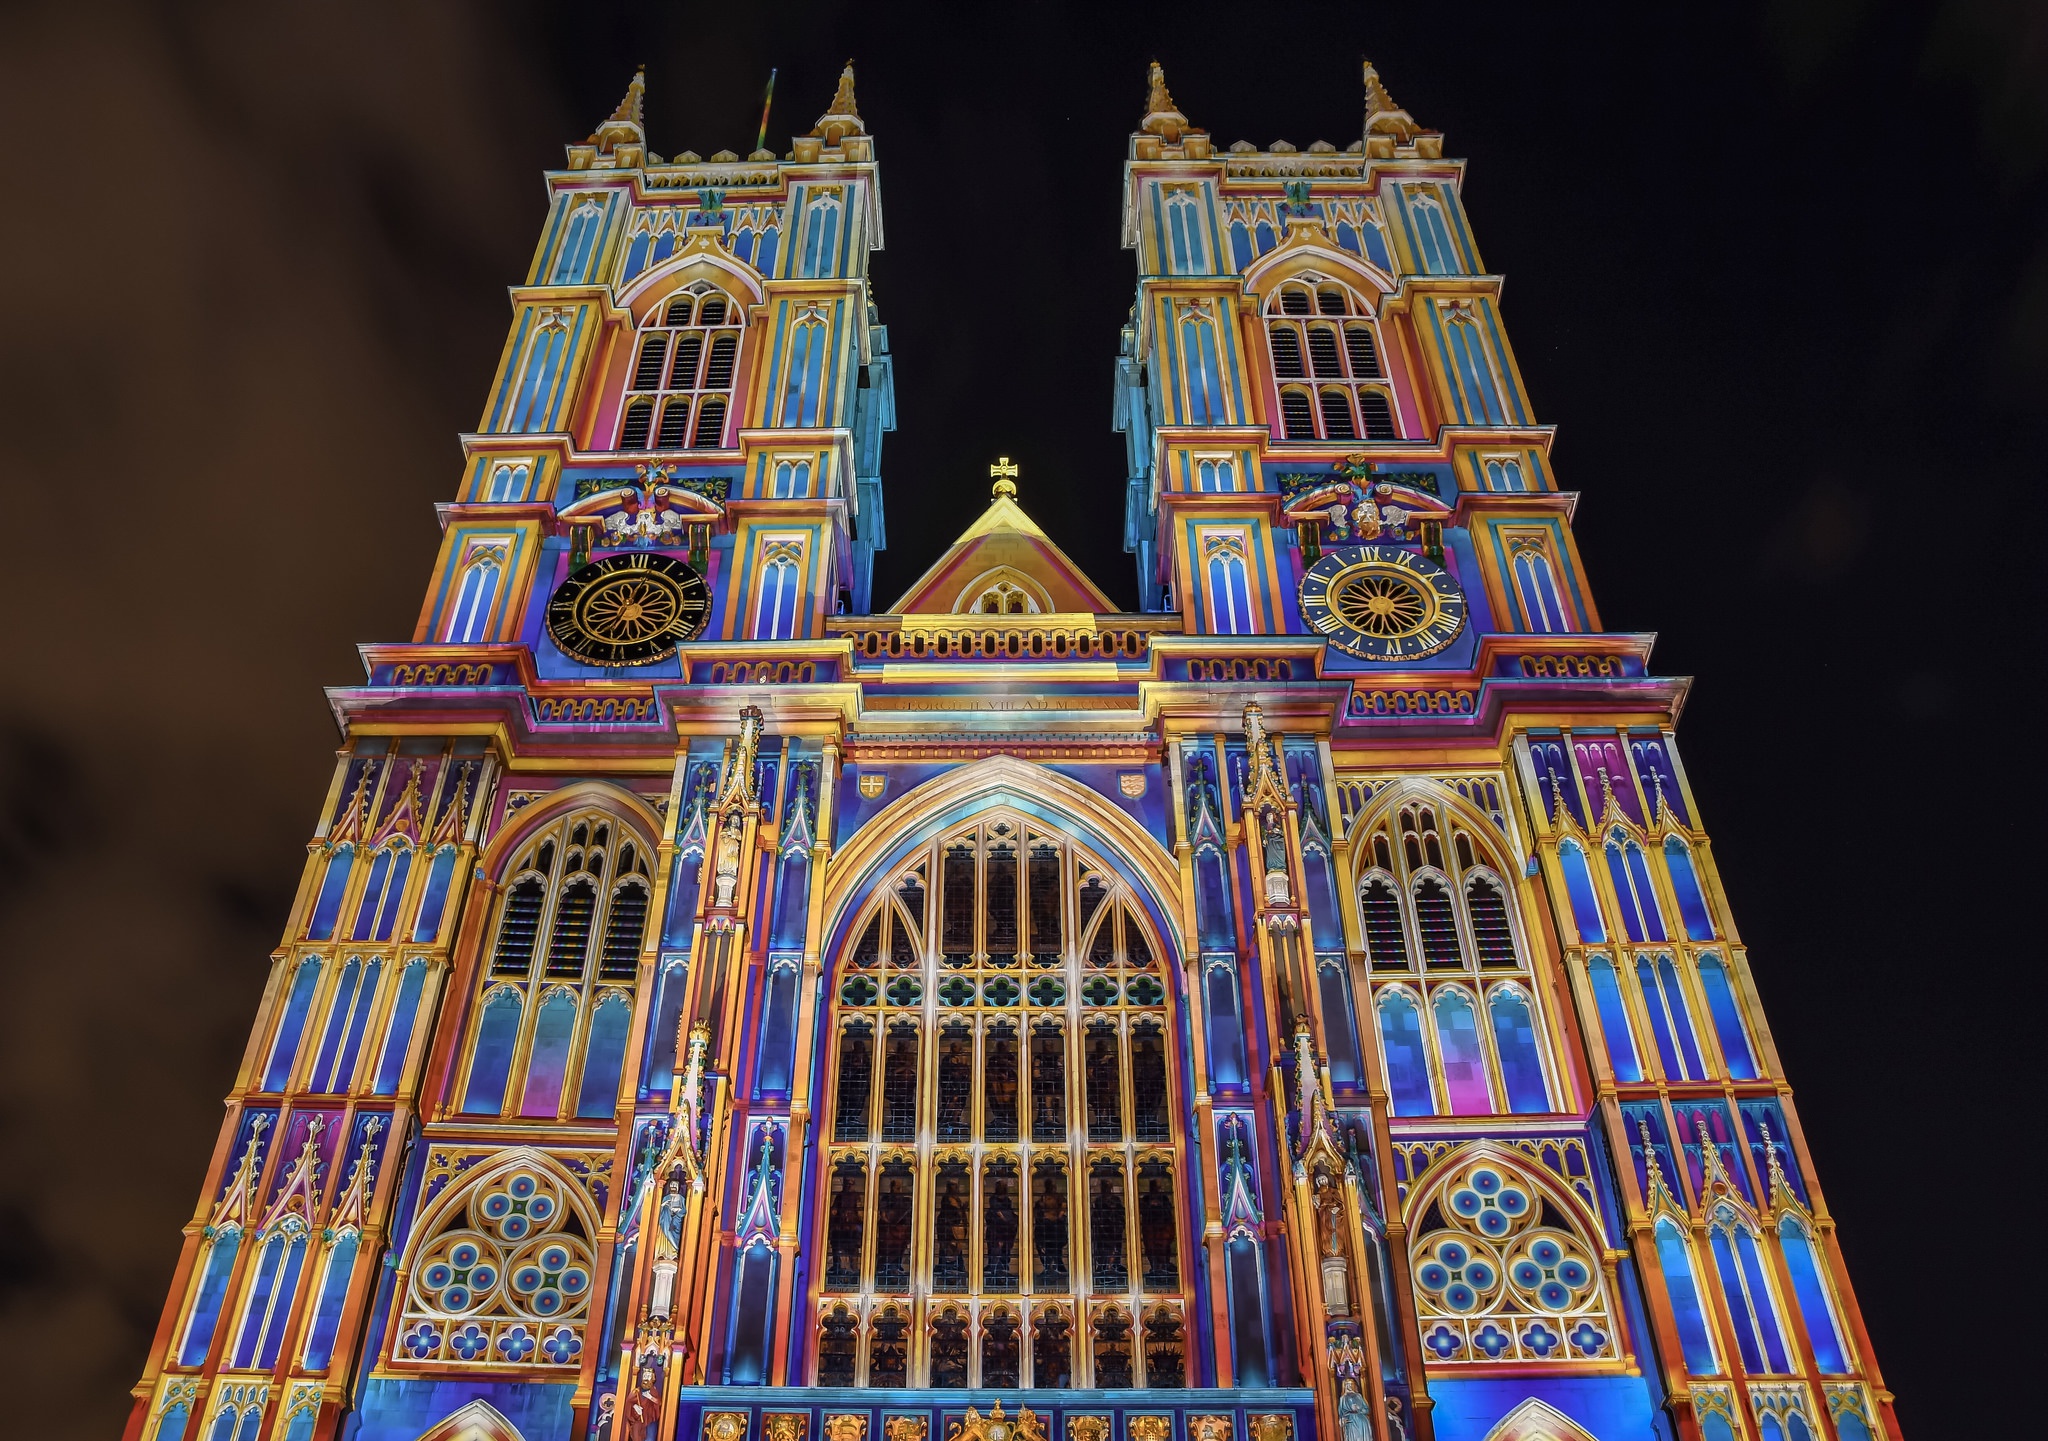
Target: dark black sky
1778, 273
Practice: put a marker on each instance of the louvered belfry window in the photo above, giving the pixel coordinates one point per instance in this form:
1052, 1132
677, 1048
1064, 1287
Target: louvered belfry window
1005, 1131
679, 388
1327, 363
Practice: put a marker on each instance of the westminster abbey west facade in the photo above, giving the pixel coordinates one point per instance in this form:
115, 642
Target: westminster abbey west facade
719, 1005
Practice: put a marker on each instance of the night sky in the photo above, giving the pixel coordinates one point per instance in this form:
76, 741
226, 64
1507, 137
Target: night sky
1778, 274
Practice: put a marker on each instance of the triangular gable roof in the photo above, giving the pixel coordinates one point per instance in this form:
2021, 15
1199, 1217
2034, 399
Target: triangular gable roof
1004, 538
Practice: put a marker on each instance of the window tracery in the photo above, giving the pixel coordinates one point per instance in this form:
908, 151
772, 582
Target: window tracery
550, 1033
1003, 1133
680, 386
1462, 1034
1505, 1272
1326, 357
501, 1274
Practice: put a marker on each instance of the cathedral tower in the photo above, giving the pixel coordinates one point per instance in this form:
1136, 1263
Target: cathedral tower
715, 1007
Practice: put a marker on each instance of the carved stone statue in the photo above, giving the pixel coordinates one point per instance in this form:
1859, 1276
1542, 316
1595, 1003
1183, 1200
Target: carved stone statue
642, 1411
1336, 1273
1354, 1416
727, 867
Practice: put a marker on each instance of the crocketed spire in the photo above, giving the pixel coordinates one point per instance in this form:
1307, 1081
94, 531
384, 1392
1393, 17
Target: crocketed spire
842, 116
1161, 118
626, 124
1382, 115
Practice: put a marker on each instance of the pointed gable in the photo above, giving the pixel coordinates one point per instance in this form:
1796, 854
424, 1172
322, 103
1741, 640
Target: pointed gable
1004, 553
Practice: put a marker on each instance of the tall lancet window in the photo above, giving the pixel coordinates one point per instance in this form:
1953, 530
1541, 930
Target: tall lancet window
679, 388
1004, 1165
1326, 359
1185, 252
549, 1027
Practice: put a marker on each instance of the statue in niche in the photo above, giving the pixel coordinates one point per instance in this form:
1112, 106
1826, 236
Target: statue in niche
671, 1219
1354, 1416
727, 867
1273, 847
642, 1410
1336, 1272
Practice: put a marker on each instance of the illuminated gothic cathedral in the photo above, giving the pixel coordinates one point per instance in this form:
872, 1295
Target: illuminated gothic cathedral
719, 1007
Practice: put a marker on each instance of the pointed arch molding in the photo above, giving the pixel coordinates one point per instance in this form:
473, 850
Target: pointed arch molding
1390, 798
1535, 1421
522, 825
922, 812
1451, 1162
692, 261
455, 1195
1301, 254
478, 1421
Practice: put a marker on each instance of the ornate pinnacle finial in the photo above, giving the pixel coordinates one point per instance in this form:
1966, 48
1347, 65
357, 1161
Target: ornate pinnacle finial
1306, 1092
1657, 1185
1005, 473
1161, 117
1610, 807
1780, 1189
1382, 115
1710, 1157
632, 109
842, 116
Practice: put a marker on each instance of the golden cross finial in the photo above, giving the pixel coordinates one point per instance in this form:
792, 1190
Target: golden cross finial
1005, 473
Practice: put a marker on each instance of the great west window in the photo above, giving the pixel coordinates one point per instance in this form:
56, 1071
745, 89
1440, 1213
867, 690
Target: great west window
1002, 1197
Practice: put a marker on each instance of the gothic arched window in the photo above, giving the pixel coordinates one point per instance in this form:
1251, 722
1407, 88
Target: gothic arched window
1614, 1023
1536, 585
1808, 1270
1229, 587
1185, 252
499, 1271
508, 483
572, 261
1473, 368
779, 591
1474, 1028
1674, 1259
682, 373
1341, 354
1433, 235
1505, 1272
1004, 1130
804, 382
550, 1032
476, 597
1201, 359
1752, 1308
1640, 916
820, 256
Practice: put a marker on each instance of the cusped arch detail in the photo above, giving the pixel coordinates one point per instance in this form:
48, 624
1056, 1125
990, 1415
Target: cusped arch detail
522, 827
924, 811
1536, 1420
478, 1421
1443, 1171
1409, 789
457, 1193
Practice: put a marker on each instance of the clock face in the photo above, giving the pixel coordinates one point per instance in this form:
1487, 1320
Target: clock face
1380, 602
628, 609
